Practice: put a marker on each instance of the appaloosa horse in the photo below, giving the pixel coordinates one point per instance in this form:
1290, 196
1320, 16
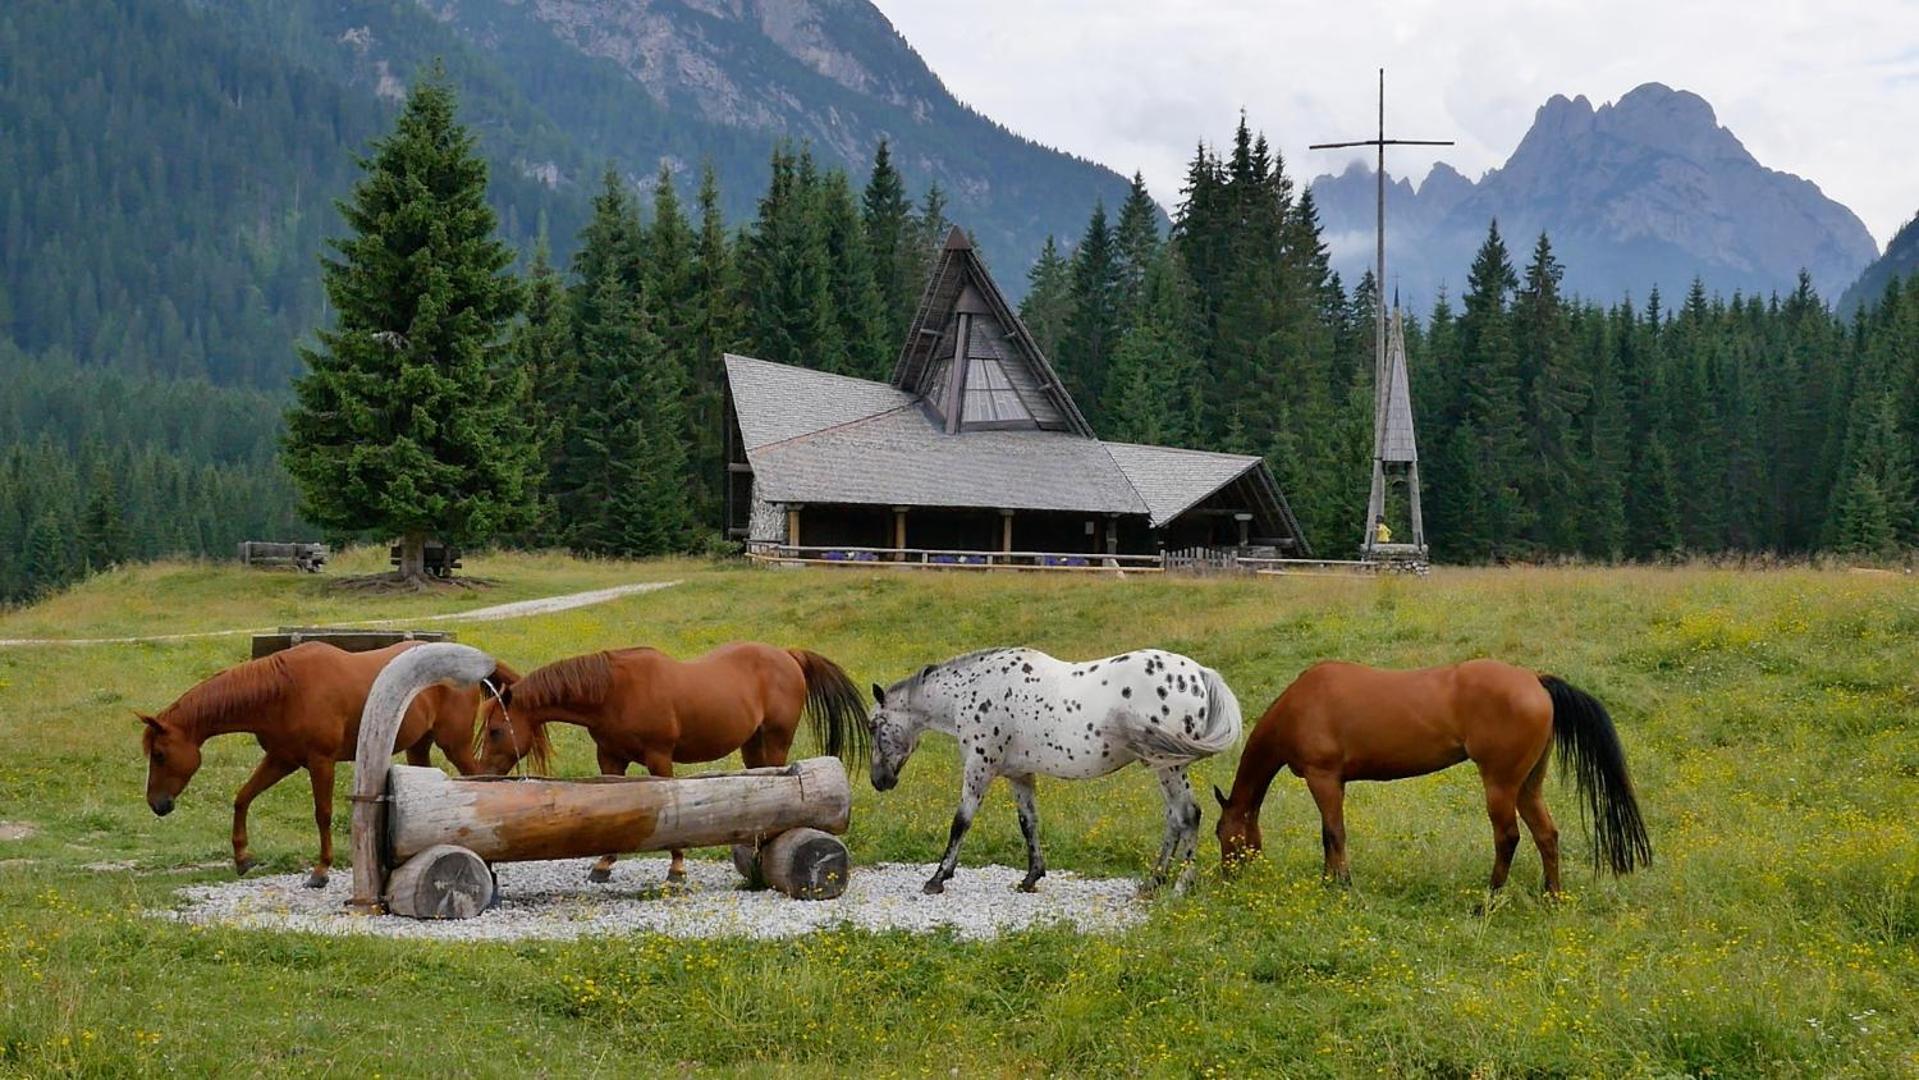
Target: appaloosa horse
303, 705
1020, 713
641, 705
1340, 722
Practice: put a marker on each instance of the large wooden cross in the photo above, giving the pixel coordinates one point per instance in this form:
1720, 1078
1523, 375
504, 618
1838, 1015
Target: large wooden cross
1382, 371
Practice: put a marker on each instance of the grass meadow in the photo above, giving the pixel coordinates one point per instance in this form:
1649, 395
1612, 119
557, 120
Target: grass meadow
1770, 721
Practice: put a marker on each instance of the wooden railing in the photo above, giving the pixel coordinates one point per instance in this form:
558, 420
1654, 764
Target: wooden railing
1187, 560
948, 558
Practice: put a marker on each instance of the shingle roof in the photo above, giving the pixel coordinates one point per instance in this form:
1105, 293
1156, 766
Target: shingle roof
899, 457
1171, 481
778, 401
815, 437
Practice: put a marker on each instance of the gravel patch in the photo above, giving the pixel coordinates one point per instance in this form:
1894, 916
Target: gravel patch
553, 900
18, 830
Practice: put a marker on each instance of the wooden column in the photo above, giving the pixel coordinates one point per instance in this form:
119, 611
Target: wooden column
1006, 533
1112, 534
899, 534
793, 526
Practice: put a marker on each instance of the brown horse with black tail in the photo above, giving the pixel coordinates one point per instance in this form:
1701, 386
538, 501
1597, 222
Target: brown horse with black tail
641, 705
1340, 722
303, 705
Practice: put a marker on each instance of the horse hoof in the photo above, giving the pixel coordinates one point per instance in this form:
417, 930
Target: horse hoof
241, 866
933, 887
676, 877
1149, 889
316, 880
600, 875
1027, 886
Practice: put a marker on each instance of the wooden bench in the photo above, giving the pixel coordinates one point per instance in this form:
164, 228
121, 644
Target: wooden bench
349, 638
308, 557
440, 559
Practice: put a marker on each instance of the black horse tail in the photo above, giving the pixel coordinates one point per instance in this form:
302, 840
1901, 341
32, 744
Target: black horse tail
1589, 751
835, 708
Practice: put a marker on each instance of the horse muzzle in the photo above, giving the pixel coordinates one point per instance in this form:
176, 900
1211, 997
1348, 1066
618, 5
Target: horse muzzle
885, 781
162, 806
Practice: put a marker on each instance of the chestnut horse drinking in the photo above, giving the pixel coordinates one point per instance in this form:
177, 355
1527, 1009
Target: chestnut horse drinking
303, 705
641, 705
1340, 722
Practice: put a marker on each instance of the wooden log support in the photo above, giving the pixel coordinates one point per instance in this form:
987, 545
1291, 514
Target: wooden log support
386, 704
503, 819
445, 881
805, 864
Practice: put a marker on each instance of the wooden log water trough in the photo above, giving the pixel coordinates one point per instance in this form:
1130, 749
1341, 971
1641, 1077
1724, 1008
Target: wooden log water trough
423, 841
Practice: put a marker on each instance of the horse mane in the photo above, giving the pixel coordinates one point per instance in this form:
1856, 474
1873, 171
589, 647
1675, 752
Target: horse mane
911, 683
576, 680
231, 695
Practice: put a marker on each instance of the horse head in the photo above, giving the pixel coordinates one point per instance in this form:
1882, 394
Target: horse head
173, 756
505, 735
1238, 832
895, 725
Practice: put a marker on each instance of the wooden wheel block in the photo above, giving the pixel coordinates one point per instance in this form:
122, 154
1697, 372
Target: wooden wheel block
805, 864
445, 881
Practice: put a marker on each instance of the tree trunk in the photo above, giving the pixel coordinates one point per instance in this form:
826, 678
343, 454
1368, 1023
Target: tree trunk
413, 556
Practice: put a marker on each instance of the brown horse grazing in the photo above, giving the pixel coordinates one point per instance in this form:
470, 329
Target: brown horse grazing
1341, 722
641, 705
303, 705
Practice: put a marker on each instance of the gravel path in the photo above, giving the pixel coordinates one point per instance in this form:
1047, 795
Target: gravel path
553, 900
518, 609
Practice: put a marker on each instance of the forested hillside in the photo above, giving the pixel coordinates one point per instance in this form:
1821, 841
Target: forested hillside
99, 468
167, 184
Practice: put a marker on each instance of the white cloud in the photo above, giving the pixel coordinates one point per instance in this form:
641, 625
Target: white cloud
1828, 91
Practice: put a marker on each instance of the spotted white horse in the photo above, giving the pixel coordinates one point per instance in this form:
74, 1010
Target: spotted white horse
1020, 713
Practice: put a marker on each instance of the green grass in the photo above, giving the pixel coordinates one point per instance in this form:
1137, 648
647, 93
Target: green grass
1769, 719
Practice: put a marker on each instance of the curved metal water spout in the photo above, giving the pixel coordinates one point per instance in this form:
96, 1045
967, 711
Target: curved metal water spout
398, 684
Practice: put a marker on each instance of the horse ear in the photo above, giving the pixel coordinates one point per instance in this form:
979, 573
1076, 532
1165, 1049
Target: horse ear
879, 696
147, 720
1219, 795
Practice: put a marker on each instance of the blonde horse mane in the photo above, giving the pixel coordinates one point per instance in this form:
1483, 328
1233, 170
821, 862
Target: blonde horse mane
229, 696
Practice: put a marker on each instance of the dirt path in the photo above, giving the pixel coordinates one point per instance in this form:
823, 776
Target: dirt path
516, 610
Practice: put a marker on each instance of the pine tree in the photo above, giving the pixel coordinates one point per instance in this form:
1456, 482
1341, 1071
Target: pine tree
786, 273
400, 423
887, 217
865, 326
1153, 393
543, 347
1135, 248
1047, 308
714, 328
629, 456
1553, 391
104, 541
1490, 409
1093, 328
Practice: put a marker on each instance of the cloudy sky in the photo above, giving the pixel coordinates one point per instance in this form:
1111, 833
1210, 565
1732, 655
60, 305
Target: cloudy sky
1828, 90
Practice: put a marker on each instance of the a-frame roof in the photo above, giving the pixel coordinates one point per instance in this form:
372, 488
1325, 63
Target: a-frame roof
998, 377
1396, 442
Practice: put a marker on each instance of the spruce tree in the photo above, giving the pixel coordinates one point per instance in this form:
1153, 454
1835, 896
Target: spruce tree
786, 274
1093, 328
865, 327
1153, 390
1490, 409
543, 347
1047, 308
403, 422
104, 541
1135, 247
887, 216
